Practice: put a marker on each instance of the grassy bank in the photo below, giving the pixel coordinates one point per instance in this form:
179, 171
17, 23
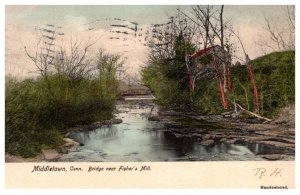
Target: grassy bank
275, 76
274, 73
36, 115
73, 88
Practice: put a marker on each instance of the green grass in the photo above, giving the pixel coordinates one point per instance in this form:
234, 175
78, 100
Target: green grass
274, 74
36, 116
275, 77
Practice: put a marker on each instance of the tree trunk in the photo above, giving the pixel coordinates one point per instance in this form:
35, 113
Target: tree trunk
222, 45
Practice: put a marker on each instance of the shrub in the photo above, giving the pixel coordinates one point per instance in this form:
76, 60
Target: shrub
36, 118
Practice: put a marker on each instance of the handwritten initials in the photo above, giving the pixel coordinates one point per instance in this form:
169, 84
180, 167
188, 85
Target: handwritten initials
260, 172
276, 172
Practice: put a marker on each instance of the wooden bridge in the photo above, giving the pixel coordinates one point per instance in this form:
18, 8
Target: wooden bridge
136, 92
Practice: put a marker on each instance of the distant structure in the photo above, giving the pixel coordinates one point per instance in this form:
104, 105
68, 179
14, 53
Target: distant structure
125, 89
215, 61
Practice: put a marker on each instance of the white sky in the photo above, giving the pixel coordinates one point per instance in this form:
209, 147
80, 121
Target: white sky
21, 21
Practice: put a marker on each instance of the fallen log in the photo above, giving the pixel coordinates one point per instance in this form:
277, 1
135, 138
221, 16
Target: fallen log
251, 113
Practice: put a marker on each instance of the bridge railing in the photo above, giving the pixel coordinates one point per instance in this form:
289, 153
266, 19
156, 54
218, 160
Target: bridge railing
134, 92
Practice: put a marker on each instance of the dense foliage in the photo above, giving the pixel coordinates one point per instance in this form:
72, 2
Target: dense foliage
275, 76
167, 77
37, 111
274, 73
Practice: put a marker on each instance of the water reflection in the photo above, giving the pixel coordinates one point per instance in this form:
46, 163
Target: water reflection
260, 148
105, 132
137, 139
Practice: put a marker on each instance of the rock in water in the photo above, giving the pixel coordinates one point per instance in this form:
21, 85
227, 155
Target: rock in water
116, 121
153, 118
70, 141
63, 150
50, 154
208, 142
271, 156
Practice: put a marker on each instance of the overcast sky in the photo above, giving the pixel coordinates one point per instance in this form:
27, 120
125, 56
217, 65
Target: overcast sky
21, 22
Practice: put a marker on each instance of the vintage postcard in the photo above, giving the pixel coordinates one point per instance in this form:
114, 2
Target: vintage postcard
150, 96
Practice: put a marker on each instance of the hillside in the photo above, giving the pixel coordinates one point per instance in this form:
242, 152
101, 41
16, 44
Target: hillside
274, 74
275, 77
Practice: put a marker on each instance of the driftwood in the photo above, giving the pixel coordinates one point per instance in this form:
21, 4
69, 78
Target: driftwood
250, 113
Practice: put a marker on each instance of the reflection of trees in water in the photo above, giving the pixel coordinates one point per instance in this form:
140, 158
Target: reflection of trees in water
261, 148
108, 131
220, 148
182, 144
186, 144
156, 136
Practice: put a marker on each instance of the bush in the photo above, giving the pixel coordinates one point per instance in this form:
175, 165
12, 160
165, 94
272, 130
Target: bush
275, 77
274, 73
36, 115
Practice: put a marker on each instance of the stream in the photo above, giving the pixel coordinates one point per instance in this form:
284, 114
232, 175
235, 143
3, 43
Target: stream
137, 139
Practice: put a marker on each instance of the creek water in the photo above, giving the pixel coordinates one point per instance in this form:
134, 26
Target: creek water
137, 139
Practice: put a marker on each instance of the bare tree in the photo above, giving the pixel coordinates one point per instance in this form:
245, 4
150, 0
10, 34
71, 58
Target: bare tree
209, 19
162, 36
50, 58
283, 37
77, 63
204, 25
44, 53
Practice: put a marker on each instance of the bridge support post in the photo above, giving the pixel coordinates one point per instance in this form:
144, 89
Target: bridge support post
255, 90
228, 81
223, 97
